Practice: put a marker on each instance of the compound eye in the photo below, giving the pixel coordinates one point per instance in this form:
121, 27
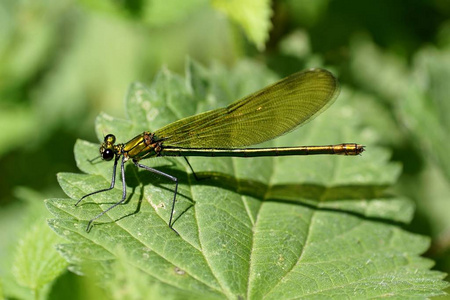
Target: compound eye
110, 139
108, 154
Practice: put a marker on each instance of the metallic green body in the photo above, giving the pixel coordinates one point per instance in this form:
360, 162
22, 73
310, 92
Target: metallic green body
139, 147
342, 149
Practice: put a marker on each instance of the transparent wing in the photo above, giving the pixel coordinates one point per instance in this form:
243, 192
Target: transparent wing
261, 116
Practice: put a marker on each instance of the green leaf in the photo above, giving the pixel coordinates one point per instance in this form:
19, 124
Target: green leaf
425, 113
29, 262
418, 97
252, 15
37, 262
281, 227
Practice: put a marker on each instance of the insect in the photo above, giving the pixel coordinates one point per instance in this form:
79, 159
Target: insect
259, 117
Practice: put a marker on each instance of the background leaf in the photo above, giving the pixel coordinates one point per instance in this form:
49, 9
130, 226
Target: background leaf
34, 261
252, 15
34, 266
277, 227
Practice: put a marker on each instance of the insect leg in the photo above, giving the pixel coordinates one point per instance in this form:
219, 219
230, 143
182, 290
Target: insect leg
193, 172
124, 193
113, 182
173, 178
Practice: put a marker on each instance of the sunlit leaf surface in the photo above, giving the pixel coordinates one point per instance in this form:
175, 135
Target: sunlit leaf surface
271, 228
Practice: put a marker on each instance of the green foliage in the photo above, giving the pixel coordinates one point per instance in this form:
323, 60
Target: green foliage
62, 62
416, 99
417, 95
268, 227
151, 12
252, 15
37, 263
33, 261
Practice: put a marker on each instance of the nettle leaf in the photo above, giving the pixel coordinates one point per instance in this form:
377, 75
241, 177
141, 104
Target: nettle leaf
36, 262
281, 227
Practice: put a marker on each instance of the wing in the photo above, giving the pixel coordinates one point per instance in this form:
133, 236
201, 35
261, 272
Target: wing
261, 116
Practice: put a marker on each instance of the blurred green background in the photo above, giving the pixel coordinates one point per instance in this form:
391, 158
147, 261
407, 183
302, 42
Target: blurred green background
63, 62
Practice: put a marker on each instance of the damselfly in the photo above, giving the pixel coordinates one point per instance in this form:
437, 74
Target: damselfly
259, 117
